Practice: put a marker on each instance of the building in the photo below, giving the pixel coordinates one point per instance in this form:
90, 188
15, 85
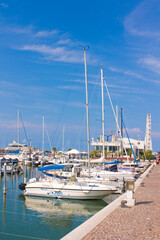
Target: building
114, 146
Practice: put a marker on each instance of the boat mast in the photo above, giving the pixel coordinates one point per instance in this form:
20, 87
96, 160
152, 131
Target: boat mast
42, 139
102, 112
63, 140
87, 112
122, 131
117, 127
18, 126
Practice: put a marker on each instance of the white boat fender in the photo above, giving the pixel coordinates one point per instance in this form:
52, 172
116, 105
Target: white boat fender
85, 191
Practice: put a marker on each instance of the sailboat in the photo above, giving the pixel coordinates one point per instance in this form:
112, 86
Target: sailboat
104, 173
69, 188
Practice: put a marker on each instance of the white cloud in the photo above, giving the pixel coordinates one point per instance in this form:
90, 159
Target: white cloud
60, 47
4, 5
64, 41
155, 134
126, 72
59, 54
133, 130
11, 124
18, 30
70, 87
152, 63
144, 20
46, 33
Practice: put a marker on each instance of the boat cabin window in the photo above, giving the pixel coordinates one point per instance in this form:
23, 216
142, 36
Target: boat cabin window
68, 168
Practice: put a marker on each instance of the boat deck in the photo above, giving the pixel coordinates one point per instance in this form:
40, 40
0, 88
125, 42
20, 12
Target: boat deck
139, 222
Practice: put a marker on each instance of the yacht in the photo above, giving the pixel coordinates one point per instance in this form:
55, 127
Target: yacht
16, 147
66, 188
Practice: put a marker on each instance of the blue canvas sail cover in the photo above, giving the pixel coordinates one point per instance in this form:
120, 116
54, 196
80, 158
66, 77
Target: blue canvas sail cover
115, 162
17, 151
50, 167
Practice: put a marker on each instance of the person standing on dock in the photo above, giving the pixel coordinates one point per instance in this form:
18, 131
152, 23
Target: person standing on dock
157, 159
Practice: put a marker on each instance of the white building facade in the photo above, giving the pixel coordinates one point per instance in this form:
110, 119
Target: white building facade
116, 145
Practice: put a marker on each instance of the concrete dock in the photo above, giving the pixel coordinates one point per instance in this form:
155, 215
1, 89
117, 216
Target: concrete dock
141, 221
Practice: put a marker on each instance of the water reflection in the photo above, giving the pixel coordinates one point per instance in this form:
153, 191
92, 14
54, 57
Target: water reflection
62, 213
70, 207
4, 210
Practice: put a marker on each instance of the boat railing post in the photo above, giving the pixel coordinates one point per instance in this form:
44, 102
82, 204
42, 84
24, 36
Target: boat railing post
32, 163
24, 168
0, 166
32, 166
23, 164
41, 166
12, 167
25, 173
5, 183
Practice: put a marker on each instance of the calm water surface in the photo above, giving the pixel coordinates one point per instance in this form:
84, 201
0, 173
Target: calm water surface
40, 218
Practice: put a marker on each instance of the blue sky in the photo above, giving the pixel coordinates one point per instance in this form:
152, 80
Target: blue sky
42, 69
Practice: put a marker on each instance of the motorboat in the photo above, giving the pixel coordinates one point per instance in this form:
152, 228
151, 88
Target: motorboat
69, 170
66, 188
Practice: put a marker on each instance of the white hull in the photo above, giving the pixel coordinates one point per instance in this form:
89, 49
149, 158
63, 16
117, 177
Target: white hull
53, 189
111, 175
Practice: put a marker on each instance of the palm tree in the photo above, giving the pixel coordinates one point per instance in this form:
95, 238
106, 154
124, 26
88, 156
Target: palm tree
54, 150
129, 152
95, 153
106, 153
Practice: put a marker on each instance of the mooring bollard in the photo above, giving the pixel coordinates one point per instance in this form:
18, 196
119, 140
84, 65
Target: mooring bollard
5, 183
130, 185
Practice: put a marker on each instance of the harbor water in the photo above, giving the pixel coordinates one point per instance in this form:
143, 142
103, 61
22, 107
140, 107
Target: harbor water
40, 218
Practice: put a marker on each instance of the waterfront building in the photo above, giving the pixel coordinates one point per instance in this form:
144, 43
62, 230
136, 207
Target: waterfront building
115, 145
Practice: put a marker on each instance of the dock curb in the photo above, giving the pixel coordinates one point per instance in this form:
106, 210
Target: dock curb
86, 227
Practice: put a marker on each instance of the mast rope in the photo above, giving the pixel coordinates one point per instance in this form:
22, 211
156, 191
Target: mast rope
115, 116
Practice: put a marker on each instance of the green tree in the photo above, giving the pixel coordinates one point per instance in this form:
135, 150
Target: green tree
129, 152
148, 154
141, 155
106, 153
95, 153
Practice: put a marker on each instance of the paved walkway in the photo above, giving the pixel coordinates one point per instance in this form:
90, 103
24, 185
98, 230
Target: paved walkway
139, 222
